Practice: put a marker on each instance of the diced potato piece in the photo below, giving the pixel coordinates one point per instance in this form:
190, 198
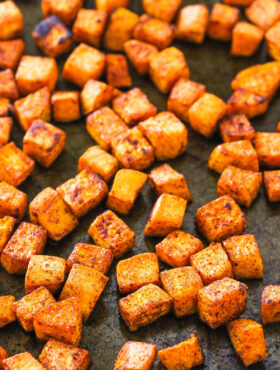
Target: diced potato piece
247, 103
162, 9
177, 247
167, 215
22, 361
182, 284
89, 26
221, 218
92, 256
244, 3
6, 124
3, 356
109, 5
167, 134
8, 87
221, 22
66, 106
144, 306
119, 29
65, 10
11, 52
27, 307
140, 54
133, 150
246, 39
83, 64
264, 13
12, 201
270, 304
221, 301
272, 185
7, 225
58, 355
154, 31
166, 67
136, 355
98, 161
4, 107
192, 23
49, 210
267, 145
7, 314
247, 338
117, 71
236, 127
61, 320
47, 271
109, 231
11, 21
184, 355
272, 38
32, 107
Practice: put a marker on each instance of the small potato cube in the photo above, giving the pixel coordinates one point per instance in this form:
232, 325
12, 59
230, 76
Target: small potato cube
89, 26
47, 271
136, 355
166, 67
184, 355
83, 64
22, 361
27, 307
94, 95
98, 161
49, 210
6, 124
109, 5
270, 304
247, 103
154, 31
161, 9
99, 259
4, 107
126, 187
239, 153
221, 301
220, 219
7, 314
7, 225
144, 306
58, 355
137, 271
133, 150
264, 13
244, 3
11, 21
247, 338
167, 134
164, 179
205, 113
267, 145
272, 38
65, 10
61, 321
103, 125
10, 53
119, 29
177, 247
221, 22
8, 87
83, 193
182, 284
12, 201
139, 53
66, 106
236, 127
109, 231
272, 185
117, 71
246, 39
167, 215
192, 23
32, 107
3, 355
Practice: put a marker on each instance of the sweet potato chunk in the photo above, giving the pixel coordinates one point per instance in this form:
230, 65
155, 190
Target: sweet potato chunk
264, 13
7, 314
162, 9
246, 39
65, 10
236, 127
11, 21
136, 355
221, 301
272, 185
12, 201
8, 87
109, 231
21, 361
117, 71
247, 103
167, 215
7, 225
3, 355
10, 53
247, 338
95, 94
140, 54
267, 145
4, 107
244, 3
221, 22
109, 5
6, 124
272, 38
66, 106
270, 304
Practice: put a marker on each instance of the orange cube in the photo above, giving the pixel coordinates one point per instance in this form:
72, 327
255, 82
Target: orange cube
244, 3
270, 304
161, 9
117, 71
65, 10
136, 355
7, 224
221, 22
4, 107
267, 145
11, 21
8, 87
3, 355
12, 201
7, 314
247, 103
109, 5
11, 52
272, 38
264, 13
66, 106
6, 124
236, 127
21, 361
272, 185
246, 39
139, 53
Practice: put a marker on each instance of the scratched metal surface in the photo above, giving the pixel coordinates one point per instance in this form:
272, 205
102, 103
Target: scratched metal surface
105, 333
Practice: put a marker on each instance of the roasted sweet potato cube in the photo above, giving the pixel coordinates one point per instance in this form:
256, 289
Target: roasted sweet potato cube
3, 355
8, 87
10, 53
167, 215
272, 185
247, 338
154, 31
166, 67
246, 39
221, 301
61, 320
236, 127
22, 361
192, 23
4, 107
32, 107
161, 9
92, 256
267, 145
140, 54
84, 192
49, 210
120, 28
98, 161
11, 21
12, 201
27, 307
66, 106
272, 38
136, 355
83, 64
7, 225
7, 314
221, 22
244, 3
270, 304
109, 5
247, 103
117, 71
167, 134
65, 10
109, 231
47, 271
58, 355
184, 355
220, 219
264, 13
6, 124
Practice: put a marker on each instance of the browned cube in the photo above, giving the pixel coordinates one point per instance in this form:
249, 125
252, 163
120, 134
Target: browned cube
66, 106
236, 127
161, 9
136, 355
8, 87
247, 103
140, 53
4, 107
7, 224
221, 22
246, 39
109, 5
239, 2
7, 314
272, 38
94, 95
6, 124
267, 145
270, 304
65, 10
117, 71
11, 52
22, 361
264, 13
11, 21
272, 185
12, 201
